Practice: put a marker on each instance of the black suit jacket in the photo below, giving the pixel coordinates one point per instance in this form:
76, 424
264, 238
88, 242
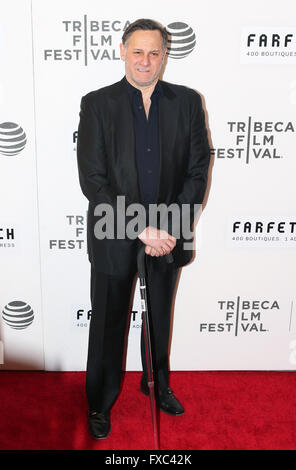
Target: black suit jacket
107, 163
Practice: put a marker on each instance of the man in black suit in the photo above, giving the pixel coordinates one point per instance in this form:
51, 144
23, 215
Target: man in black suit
145, 140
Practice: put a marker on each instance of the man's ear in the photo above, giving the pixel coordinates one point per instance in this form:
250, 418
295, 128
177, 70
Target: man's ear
122, 52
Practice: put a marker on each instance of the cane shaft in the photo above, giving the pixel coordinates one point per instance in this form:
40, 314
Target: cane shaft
148, 356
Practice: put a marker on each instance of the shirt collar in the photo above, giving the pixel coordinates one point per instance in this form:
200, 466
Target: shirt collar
158, 91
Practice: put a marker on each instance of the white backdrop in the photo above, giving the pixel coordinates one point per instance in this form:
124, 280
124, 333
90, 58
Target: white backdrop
235, 305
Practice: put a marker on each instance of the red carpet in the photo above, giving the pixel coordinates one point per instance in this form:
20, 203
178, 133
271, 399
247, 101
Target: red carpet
224, 411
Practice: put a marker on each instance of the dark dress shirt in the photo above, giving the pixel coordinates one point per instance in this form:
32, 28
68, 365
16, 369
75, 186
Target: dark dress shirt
146, 143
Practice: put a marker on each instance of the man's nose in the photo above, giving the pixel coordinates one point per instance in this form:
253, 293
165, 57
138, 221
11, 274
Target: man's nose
146, 59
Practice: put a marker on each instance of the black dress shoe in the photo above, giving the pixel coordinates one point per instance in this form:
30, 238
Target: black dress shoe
165, 400
99, 424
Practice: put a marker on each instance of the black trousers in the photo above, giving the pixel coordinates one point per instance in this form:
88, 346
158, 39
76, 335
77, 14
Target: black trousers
111, 299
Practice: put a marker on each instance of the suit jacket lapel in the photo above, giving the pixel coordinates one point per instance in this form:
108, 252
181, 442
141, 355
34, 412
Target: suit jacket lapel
124, 124
168, 119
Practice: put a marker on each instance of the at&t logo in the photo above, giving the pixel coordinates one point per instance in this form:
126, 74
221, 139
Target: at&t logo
18, 315
182, 40
12, 139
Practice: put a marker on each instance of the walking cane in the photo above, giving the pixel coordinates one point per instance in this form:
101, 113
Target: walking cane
147, 338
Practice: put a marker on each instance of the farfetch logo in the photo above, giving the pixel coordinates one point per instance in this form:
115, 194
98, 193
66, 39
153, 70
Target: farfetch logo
136, 319
268, 45
252, 232
88, 40
18, 315
254, 139
12, 139
182, 40
82, 318
7, 237
241, 316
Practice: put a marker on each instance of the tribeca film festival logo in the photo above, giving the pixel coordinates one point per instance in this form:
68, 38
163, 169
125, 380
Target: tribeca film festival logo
92, 40
241, 316
12, 139
18, 315
88, 40
255, 140
77, 225
268, 45
279, 232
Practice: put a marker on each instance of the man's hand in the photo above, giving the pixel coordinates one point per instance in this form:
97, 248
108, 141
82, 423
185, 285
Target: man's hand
158, 242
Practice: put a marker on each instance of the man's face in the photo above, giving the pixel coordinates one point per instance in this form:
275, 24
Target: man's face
144, 56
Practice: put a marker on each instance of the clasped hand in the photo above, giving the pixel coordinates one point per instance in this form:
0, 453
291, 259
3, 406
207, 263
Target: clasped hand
158, 242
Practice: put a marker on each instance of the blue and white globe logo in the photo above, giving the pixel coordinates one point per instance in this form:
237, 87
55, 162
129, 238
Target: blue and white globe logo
13, 138
182, 40
18, 315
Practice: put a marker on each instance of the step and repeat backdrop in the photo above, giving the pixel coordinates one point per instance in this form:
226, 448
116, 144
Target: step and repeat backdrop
235, 307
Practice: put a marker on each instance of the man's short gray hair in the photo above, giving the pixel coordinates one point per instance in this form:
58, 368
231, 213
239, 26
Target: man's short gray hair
145, 25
